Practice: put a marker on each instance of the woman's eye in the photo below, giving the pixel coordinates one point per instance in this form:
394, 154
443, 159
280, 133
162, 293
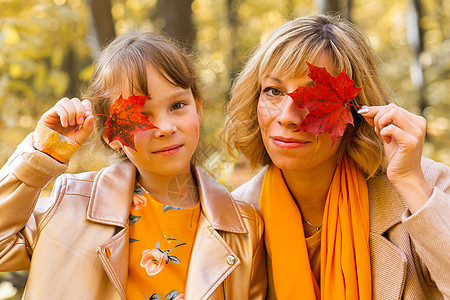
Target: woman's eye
271, 91
177, 105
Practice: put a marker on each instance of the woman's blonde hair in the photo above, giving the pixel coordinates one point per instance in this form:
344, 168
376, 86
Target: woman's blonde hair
283, 54
126, 59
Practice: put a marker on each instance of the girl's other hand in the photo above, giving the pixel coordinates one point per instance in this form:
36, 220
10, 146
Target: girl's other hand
403, 134
70, 117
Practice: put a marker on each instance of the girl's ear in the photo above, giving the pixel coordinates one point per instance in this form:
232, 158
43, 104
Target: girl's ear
198, 104
115, 145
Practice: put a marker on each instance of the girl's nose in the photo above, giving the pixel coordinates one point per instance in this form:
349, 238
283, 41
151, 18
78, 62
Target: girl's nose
166, 127
290, 115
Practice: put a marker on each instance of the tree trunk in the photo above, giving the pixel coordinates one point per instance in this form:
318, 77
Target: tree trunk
341, 6
233, 23
328, 5
415, 38
103, 22
349, 9
72, 69
177, 16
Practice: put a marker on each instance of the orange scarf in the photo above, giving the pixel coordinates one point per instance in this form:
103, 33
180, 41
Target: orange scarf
345, 260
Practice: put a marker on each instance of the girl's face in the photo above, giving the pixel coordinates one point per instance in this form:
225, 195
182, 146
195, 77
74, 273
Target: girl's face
278, 118
166, 150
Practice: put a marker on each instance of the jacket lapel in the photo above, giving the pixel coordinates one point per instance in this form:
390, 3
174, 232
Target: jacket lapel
388, 262
212, 259
109, 204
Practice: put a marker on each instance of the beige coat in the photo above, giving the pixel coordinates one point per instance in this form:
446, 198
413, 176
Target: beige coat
75, 243
410, 255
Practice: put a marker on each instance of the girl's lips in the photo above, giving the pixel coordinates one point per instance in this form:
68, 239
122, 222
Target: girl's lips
167, 151
288, 143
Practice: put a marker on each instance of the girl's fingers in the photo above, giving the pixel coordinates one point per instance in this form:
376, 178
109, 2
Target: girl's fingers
67, 119
87, 107
86, 129
79, 111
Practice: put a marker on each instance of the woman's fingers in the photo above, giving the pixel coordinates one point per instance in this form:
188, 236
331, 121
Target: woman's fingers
380, 117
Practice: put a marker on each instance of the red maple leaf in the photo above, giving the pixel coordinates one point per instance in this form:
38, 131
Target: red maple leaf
327, 102
126, 119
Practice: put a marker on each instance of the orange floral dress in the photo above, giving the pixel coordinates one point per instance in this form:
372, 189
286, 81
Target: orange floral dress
161, 241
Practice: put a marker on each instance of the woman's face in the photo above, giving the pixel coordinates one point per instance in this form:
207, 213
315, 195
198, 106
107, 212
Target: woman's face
278, 118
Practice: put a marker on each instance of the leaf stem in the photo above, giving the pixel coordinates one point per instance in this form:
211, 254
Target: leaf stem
358, 107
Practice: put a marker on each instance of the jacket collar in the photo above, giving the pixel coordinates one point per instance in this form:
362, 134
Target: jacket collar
111, 195
113, 188
386, 207
217, 204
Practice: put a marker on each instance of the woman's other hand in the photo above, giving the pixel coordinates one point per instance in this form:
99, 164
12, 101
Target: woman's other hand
403, 134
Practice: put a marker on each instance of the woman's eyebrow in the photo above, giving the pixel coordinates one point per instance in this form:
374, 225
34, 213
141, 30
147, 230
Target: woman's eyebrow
267, 77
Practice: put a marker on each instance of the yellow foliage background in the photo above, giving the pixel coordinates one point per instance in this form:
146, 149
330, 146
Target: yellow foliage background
45, 51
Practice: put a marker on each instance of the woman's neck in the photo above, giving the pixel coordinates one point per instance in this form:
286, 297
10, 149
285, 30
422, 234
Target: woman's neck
180, 190
309, 188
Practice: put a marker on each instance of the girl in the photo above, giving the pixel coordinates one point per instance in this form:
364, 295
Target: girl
362, 217
153, 226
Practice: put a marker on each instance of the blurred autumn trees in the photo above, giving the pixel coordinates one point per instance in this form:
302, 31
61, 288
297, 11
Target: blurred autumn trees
47, 49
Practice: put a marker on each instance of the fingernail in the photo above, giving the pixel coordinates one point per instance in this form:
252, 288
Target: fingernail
81, 120
363, 110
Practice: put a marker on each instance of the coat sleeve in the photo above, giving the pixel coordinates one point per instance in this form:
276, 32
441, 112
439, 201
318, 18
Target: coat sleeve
22, 178
429, 228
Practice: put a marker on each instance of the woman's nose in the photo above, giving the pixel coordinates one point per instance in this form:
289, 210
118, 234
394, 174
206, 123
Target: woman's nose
289, 114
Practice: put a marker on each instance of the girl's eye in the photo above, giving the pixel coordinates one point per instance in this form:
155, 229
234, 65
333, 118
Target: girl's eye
177, 105
272, 91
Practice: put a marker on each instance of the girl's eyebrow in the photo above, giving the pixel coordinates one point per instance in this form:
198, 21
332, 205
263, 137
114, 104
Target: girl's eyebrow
175, 94
181, 93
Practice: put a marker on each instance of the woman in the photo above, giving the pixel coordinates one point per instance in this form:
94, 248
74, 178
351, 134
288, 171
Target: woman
359, 217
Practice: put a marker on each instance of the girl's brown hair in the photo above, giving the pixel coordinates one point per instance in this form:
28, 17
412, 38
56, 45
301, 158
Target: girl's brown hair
126, 59
283, 55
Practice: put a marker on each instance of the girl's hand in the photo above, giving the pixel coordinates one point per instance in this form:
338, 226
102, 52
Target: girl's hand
70, 117
403, 134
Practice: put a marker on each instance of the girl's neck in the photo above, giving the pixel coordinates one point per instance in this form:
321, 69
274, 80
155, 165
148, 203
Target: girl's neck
309, 188
175, 190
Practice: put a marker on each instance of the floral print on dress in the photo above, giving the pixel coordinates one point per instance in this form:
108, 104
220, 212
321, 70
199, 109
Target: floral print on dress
139, 199
173, 295
154, 260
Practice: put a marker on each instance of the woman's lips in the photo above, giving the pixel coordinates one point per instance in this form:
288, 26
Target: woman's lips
288, 143
167, 151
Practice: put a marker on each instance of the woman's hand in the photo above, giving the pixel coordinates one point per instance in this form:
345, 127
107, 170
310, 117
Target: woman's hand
70, 117
403, 134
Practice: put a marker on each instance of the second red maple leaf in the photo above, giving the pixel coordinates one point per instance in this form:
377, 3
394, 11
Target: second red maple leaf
326, 102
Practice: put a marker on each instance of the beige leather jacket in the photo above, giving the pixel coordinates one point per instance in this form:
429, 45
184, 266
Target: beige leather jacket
75, 243
410, 254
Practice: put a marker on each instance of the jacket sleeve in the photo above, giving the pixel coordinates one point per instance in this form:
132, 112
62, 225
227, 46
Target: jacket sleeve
429, 228
22, 178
